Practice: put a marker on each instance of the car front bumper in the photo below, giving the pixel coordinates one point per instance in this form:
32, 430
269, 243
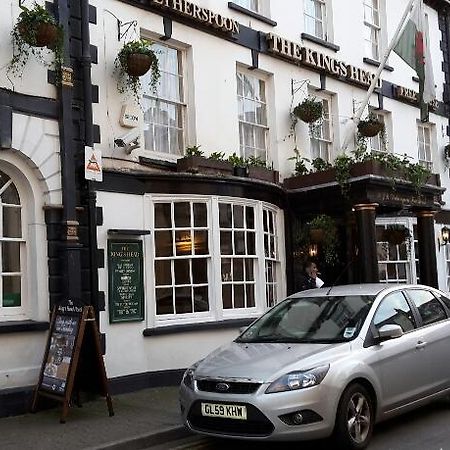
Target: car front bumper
265, 413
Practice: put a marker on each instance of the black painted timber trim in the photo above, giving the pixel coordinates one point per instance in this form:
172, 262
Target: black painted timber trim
29, 104
182, 183
374, 63
322, 42
23, 325
250, 13
205, 326
118, 231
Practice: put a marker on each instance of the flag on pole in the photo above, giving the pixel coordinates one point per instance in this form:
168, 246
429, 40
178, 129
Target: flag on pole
413, 48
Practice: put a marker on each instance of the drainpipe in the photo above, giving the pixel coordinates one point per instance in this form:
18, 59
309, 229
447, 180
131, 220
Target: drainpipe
86, 64
70, 246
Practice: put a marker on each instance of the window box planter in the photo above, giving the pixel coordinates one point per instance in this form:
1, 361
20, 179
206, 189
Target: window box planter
205, 166
262, 173
310, 179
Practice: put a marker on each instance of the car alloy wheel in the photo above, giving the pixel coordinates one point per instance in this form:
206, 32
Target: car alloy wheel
354, 420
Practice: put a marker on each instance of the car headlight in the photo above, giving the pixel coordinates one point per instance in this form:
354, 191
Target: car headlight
188, 377
299, 380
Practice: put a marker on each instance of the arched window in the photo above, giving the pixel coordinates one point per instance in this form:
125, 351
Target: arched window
12, 252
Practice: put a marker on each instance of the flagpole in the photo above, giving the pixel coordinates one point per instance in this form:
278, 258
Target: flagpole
357, 115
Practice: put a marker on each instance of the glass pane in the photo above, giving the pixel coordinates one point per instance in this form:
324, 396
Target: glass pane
238, 216
250, 217
163, 215
250, 290
3, 179
201, 242
226, 270
200, 215
163, 243
238, 270
12, 224
249, 272
239, 301
225, 243
239, 243
225, 215
251, 246
183, 300
11, 292
201, 302
11, 196
163, 274
11, 256
226, 296
164, 301
182, 214
394, 310
183, 242
182, 271
199, 271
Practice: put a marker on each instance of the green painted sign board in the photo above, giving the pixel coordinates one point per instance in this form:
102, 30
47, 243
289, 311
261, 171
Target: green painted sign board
125, 281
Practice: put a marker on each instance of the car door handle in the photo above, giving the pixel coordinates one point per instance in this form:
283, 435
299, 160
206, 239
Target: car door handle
420, 344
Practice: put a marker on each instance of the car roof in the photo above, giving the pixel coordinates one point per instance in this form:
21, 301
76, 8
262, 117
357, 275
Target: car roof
353, 289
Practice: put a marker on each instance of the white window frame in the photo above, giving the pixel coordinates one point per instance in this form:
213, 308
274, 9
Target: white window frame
374, 27
251, 5
322, 18
425, 144
216, 311
245, 148
408, 249
376, 143
15, 312
321, 133
149, 95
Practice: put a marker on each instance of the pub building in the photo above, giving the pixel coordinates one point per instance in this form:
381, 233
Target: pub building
175, 254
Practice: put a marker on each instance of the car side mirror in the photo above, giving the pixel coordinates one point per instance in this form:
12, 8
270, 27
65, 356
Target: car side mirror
391, 331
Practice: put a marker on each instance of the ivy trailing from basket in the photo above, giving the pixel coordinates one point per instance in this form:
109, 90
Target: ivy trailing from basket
35, 33
129, 72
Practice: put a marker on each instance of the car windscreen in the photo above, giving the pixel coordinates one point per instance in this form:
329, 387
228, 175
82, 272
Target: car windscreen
311, 319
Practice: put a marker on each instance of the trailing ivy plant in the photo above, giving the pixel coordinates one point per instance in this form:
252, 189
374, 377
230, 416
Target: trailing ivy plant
26, 36
131, 83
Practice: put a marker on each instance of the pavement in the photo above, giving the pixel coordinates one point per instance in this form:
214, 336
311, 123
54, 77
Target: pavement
142, 419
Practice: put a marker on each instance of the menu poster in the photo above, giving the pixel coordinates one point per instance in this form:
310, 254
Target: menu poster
60, 352
125, 281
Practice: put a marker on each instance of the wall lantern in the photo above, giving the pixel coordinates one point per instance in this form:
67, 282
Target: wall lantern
312, 250
445, 236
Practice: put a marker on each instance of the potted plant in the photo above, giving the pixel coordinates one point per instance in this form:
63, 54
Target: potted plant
135, 59
309, 110
396, 234
239, 165
371, 126
258, 168
195, 161
35, 29
323, 231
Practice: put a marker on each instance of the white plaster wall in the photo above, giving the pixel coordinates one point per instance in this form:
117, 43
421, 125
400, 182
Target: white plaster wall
34, 76
127, 350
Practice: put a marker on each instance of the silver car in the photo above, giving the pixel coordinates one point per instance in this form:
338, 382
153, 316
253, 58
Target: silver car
330, 361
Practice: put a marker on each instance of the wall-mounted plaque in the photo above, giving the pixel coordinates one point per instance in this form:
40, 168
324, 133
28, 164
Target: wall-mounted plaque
125, 281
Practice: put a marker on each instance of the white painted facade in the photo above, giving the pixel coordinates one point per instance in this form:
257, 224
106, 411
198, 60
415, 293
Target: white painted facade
209, 67
210, 119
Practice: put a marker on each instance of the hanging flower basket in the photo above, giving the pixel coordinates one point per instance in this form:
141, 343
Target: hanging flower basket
134, 60
138, 64
395, 234
35, 29
317, 235
370, 127
309, 110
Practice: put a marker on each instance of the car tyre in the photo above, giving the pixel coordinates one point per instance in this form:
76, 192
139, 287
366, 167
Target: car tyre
354, 419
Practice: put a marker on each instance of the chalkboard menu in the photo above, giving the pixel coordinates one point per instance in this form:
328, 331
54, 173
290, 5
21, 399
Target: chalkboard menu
60, 353
73, 338
125, 281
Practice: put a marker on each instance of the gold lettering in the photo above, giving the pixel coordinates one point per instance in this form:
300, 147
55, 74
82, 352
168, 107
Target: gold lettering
235, 27
285, 47
159, 2
352, 72
218, 19
204, 13
187, 9
308, 57
178, 5
196, 12
297, 52
344, 69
